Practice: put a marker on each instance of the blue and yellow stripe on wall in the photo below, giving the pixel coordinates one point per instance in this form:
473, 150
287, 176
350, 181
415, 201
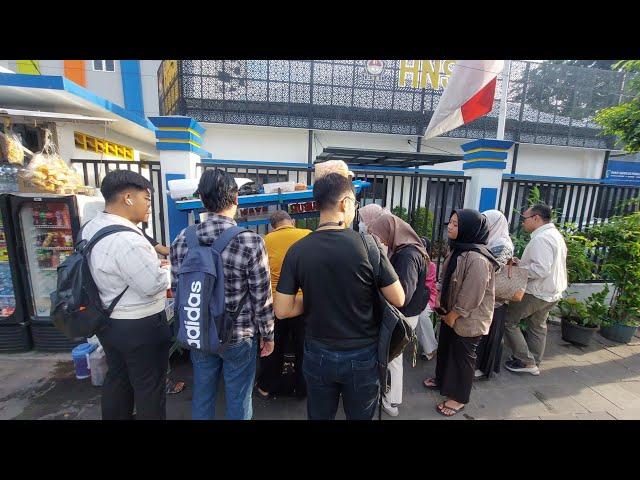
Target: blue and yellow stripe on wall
179, 133
486, 153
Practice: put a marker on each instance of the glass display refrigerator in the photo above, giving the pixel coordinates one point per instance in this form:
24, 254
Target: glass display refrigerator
15, 335
45, 228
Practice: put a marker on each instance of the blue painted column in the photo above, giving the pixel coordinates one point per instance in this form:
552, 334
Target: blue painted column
484, 162
132, 86
179, 141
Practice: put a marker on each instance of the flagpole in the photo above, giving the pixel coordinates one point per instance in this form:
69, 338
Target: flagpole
502, 114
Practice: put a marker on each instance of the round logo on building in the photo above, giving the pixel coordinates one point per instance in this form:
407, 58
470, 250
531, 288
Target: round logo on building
374, 67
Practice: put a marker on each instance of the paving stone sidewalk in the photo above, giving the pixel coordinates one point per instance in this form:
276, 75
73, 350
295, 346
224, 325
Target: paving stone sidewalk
600, 382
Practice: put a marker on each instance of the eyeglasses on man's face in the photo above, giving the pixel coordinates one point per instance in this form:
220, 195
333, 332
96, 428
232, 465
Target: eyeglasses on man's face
356, 204
530, 216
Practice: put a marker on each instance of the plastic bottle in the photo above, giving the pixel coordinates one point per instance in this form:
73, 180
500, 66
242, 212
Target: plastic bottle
98, 366
66, 217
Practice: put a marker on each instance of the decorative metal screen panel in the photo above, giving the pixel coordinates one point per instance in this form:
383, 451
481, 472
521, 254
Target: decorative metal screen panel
547, 103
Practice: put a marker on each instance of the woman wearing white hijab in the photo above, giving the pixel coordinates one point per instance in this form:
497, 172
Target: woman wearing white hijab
489, 350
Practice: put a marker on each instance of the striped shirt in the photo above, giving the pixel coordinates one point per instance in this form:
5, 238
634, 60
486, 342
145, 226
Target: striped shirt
246, 267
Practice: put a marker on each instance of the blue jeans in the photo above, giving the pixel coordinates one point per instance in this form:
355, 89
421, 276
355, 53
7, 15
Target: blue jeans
238, 366
350, 373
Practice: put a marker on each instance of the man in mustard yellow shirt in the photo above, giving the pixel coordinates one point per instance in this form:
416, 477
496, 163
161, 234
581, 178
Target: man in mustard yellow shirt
277, 243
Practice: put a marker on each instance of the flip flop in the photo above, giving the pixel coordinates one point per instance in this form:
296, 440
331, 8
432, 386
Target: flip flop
265, 396
174, 387
441, 406
431, 387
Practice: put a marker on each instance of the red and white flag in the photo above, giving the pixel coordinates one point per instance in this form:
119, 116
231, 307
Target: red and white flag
468, 96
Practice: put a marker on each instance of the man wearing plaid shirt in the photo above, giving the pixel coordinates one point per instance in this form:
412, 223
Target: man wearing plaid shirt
246, 268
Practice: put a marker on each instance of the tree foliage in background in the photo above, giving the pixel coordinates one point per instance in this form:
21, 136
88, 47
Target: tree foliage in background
621, 265
623, 120
600, 64
565, 87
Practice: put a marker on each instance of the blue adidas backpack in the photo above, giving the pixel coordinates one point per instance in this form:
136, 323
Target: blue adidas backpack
203, 322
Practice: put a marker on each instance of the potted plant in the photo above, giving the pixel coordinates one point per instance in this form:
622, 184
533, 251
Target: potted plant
579, 320
620, 236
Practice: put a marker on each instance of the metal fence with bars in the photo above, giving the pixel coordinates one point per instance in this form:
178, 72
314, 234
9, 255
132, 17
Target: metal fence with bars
93, 171
582, 203
424, 199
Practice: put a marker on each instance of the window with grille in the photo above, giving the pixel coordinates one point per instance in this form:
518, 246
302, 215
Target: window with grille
104, 65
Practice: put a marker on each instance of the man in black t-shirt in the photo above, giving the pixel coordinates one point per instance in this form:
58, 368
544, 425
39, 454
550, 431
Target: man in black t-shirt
332, 269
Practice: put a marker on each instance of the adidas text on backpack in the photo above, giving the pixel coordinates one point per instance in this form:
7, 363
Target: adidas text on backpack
203, 322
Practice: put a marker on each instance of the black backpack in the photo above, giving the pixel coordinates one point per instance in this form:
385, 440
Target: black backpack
395, 331
76, 308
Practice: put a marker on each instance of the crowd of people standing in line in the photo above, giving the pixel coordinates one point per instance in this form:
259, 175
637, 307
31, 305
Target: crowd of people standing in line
317, 288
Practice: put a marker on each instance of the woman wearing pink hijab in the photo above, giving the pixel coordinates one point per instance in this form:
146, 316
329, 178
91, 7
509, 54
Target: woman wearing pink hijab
410, 261
369, 214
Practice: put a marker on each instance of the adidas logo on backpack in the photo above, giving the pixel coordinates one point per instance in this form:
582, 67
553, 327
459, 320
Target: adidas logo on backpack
203, 322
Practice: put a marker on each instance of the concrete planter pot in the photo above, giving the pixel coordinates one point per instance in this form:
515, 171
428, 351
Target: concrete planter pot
581, 291
618, 333
576, 334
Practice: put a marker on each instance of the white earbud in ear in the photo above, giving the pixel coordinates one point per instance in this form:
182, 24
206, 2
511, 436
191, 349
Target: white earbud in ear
128, 202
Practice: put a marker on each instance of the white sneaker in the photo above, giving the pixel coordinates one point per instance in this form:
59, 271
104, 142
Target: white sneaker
478, 374
515, 365
389, 409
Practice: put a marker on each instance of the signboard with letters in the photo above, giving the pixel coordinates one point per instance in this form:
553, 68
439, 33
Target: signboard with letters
432, 74
623, 172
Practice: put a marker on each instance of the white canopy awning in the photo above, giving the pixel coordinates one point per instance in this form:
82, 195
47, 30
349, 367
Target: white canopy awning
26, 115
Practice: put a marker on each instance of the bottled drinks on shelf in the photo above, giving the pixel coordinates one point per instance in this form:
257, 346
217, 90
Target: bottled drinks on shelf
43, 217
9, 178
7, 298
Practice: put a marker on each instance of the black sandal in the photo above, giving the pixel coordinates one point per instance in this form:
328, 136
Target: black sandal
441, 406
435, 386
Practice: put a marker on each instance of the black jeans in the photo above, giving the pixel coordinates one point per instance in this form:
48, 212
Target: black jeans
270, 378
137, 352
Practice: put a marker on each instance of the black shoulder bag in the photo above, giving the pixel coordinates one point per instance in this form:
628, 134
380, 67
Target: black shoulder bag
395, 331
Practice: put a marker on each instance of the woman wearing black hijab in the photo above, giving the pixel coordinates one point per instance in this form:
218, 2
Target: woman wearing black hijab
466, 302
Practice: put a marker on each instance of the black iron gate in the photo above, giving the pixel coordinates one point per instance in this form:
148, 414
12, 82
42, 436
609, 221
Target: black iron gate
424, 200
93, 171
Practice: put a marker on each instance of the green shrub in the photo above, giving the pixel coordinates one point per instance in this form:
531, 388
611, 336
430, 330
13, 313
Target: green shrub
423, 220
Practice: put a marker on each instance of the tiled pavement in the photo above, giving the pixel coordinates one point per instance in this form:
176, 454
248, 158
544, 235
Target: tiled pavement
594, 383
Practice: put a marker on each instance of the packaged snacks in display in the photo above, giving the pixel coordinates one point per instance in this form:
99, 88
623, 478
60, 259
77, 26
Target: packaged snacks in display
49, 172
283, 186
11, 149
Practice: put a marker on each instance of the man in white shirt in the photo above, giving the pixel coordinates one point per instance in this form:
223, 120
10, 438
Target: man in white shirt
545, 257
137, 341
